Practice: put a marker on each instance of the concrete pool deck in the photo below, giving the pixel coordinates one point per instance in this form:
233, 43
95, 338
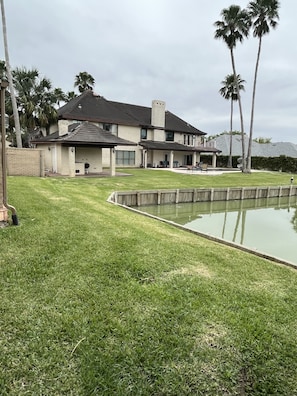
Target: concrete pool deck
209, 172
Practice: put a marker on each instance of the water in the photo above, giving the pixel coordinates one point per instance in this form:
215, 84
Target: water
267, 225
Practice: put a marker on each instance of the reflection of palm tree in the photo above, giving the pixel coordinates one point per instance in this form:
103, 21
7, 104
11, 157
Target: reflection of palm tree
294, 220
264, 14
233, 28
243, 220
229, 92
236, 225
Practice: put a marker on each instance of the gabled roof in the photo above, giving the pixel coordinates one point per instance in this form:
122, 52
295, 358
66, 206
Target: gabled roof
222, 142
91, 107
168, 146
85, 134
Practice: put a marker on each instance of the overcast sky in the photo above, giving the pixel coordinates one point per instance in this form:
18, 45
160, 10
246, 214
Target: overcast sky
140, 50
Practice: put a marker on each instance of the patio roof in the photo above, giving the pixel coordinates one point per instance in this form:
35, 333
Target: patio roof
173, 146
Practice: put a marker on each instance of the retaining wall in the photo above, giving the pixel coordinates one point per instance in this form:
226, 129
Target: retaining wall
161, 197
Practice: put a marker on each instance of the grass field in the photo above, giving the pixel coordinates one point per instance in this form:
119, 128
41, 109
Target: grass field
96, 300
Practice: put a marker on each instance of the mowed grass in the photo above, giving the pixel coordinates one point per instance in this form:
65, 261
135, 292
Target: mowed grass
97, 300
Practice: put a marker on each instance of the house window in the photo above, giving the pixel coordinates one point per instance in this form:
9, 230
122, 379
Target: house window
169, 136
125, 157
107, 127
189, 140
112, 128
143, 133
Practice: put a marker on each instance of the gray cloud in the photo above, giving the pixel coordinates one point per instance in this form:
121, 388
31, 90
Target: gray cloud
138, 51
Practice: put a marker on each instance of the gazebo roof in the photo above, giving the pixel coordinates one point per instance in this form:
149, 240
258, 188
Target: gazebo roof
85, 134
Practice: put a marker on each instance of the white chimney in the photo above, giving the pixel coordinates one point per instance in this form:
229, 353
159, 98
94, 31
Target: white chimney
158, 113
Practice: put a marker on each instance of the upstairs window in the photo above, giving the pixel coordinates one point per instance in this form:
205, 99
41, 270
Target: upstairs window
143, 134
112, 128
189, 140
169, 136
107, 127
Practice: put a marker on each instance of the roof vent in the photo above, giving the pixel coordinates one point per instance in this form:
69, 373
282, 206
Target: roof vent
79, 106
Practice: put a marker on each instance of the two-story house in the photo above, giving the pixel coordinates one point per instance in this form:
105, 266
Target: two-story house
93, 133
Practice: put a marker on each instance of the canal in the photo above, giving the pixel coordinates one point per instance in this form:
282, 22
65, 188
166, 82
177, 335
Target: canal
268, 225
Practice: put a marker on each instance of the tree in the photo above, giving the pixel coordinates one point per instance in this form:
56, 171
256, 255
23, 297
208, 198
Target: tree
229, 92
84, 81
37, 101
9, 75
59, 96
233, 28
264, 14
70, 95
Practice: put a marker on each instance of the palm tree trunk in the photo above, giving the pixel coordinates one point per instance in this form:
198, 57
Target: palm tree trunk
249, 154
240, 112
229, 165
11, 87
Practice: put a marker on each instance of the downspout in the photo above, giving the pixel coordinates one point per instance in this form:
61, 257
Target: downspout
14, 217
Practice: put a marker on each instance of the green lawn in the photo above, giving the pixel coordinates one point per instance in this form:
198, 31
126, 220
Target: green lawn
98, 300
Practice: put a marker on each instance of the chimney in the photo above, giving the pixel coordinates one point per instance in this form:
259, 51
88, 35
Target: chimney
158, 113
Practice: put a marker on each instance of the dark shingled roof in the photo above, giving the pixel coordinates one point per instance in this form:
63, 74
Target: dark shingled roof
91, 107
85, 134
168, 146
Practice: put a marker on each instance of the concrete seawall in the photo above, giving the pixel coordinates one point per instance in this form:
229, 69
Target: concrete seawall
163, 197
133, 199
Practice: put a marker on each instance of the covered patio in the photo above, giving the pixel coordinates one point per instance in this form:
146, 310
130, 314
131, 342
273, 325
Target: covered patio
79, 151
173, 155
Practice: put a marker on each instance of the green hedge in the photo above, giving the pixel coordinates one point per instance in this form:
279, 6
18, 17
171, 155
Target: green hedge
281, 163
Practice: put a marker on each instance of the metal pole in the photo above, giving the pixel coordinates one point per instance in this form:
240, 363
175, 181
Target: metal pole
3, 139
3, 209
4, 85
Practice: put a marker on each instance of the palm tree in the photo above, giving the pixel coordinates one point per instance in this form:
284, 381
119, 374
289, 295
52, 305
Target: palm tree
264, 14
233, 28
70, 95
37, 101
59, 95
229, 92
9, 75
84, 81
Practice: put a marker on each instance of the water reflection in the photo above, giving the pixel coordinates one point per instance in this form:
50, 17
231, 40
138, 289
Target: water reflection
268, 225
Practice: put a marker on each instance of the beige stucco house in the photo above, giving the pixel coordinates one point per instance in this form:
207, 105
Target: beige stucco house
93, 133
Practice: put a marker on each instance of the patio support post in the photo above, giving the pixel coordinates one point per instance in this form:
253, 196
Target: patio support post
112, 161
171, 159
214, 160
71, 161
144, 164
194, 158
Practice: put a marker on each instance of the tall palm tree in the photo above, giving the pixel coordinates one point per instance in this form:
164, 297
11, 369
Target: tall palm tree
233, 28
84, 81
264, 14
229, 92
37, 101
9, 75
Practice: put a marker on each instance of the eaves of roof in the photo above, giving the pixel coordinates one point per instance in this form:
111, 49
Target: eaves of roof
86, 134
173, 146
